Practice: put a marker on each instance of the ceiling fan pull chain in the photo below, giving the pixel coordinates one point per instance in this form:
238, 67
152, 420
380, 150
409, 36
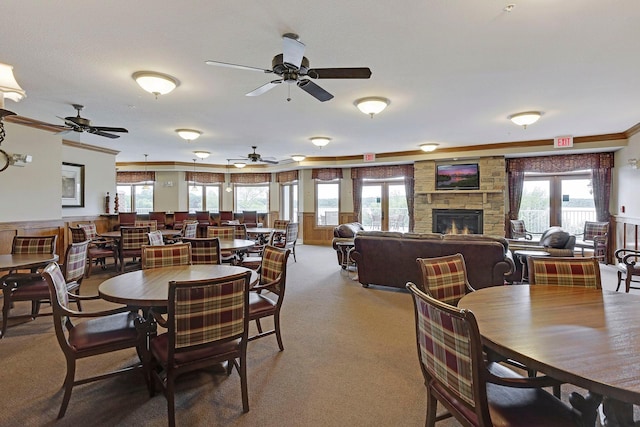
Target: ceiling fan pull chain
289, 96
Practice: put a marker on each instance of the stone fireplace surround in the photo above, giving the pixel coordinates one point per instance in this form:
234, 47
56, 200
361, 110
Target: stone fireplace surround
490, 198
457, 221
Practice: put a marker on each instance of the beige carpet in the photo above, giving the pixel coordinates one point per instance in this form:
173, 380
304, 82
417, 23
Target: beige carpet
349, 359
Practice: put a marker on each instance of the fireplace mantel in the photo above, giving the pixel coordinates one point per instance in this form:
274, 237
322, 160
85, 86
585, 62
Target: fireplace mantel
484, 193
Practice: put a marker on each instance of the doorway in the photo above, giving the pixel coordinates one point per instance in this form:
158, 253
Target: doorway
384, 206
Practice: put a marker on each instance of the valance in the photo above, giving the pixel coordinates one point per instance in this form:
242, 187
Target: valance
250, 178
326, 174
135, 177
563, 163
288, 176
204, 177
382, 172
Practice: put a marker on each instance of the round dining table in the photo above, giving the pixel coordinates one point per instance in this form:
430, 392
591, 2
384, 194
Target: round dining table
25, 261
150, 287
586, 337
166, 233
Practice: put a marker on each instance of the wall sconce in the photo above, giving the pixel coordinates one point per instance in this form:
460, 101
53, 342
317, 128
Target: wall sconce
19, 160
633, 163
155, 83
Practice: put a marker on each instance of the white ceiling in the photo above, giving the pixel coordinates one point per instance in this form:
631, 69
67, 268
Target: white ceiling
453, 70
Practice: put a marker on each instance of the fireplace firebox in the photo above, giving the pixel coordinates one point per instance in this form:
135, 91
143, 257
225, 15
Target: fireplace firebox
457, 221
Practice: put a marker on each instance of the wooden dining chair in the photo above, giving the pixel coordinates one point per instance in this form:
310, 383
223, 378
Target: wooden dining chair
127, 219
130, 244
253, 257
204, 250
250, 218
564, 271
179, 217
445, 278
203, 217
476, 392
166, 255
99, 249
100, 332
225, 216
160, 218
291, 237
152, 224
224, 233
206, 324
628, 266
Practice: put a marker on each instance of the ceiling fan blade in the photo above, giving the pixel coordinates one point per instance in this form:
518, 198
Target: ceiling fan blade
340, 73
236, 66
264, 88
292, 51
109, 129
273, 162
314, 90
100, 133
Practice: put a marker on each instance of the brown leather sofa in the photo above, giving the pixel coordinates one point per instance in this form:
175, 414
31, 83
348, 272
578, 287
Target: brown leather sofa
345, 233
389, 258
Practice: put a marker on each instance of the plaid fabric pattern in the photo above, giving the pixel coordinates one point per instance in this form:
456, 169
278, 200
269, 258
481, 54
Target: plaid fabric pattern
152, 224
133, 238
223, 233
78, 234
33, 245
292, 232
75, 262
593, 229
205, 251
445, 280
280, 224
445, 349
190, 229
574, 272
240, 231
155, 238
517, 228
208, 313
166, 256
272, 265
90, 230
59, 283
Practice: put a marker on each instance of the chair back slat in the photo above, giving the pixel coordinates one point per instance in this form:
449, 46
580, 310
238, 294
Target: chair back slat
444, 278
34, 244
166, 256
564, 271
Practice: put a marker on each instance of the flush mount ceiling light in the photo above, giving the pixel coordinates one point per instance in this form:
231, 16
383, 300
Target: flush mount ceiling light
372, 105
189, 134
428, 147
525, 119
320, 141
239, 165
155, 83
202, 154
298, 157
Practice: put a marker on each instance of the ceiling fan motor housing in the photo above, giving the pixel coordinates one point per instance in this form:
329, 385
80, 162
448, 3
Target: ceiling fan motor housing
279, 67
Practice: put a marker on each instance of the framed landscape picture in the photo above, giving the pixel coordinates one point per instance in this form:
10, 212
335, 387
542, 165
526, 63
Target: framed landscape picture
72, 185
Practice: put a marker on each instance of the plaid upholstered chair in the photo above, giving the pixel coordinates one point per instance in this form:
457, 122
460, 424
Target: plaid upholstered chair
131, 241
445, 278
32, 286
104, 332
253, 258
152, 224
476, 392
190, 229
155, 238
205, 250
291, 237
166, 255
98, 251
280, 224
266, 297
519, 231
594, 238
564, 271
207, 324
224, 233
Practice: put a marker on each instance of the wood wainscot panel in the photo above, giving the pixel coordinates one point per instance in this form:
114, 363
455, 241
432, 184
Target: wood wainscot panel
314, 235
32, 228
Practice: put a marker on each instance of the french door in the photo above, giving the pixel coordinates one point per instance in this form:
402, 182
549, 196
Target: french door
384, 206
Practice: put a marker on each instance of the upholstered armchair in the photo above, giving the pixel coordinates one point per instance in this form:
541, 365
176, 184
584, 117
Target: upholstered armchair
595, 239
345, 233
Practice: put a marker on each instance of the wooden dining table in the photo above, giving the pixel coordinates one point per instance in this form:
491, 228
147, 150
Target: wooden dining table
25, 261
166, 233
586, 337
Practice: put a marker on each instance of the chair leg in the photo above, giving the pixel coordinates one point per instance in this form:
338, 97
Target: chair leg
243, 380
627, 282
171, 404
276, 322
6, 307
619, 280
258, 325
89, 266
432, 406
68, 386
35, 308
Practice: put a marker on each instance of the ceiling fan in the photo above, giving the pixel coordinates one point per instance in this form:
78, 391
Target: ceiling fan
293, 67
80, 124
255, 157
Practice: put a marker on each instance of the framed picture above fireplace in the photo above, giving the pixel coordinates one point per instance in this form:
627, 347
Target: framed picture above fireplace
458, 176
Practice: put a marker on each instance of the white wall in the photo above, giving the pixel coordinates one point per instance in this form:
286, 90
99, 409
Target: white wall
624, 191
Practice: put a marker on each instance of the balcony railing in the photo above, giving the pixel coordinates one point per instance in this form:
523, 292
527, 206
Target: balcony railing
573, 219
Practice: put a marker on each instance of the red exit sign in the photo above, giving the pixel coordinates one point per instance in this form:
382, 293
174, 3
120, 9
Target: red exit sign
563, 141
369, 157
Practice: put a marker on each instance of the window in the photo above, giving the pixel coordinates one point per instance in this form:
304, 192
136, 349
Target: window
204, 198
289, 202
135, 198
327, 202
384, 206
251, 197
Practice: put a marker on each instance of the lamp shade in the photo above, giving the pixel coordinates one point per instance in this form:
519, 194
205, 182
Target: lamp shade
525, 119
320, 141
372, 105
189, 134
155, 83
9, 87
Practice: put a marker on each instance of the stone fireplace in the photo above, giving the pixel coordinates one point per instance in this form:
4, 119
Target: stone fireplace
457, 221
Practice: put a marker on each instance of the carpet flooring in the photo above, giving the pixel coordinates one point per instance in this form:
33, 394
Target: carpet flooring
350, 360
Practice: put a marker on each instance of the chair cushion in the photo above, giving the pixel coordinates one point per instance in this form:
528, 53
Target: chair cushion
32, 289
159, 347
104, 331
260, 306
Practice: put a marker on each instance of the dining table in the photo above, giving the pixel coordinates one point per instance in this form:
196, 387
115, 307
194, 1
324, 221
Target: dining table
25, 261
586, 337
260, 233
166, 233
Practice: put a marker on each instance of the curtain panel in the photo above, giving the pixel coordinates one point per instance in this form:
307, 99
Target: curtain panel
288, 176
250, 178
326, 174
135, 177
204, 177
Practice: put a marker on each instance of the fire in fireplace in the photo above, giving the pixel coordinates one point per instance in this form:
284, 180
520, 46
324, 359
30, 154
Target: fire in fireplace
457, 221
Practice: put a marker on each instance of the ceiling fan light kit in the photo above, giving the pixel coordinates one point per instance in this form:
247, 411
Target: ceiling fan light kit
372, 105
155, 83
525, 119
189, 134
429, 147
320, 141
298, 157
202, 154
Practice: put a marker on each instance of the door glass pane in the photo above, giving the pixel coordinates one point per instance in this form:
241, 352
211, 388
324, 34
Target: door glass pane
534, 208
577, 204
371, 214
398, 212
294, 203
327, 203
286, 202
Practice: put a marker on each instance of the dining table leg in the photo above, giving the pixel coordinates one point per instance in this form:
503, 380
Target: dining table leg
616, 413
587, 406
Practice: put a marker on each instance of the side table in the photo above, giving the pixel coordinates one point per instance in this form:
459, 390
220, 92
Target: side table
522, 255
345, 250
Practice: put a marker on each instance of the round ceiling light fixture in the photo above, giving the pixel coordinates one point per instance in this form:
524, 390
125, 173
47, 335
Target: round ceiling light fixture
298, 157
429, 147
189, 134
525, 119
202, 154
239, 165
320, 141
155, 83
372, 105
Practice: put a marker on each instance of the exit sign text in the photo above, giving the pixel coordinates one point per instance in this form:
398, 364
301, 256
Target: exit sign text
563, 141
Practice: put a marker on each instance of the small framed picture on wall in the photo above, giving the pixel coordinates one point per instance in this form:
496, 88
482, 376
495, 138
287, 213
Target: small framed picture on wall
72, 185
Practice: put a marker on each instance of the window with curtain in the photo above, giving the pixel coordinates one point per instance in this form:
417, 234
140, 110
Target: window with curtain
205, 191
135, 191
